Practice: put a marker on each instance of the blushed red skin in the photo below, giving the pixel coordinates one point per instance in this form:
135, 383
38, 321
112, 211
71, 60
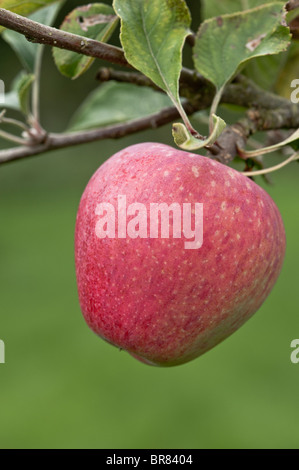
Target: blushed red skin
159, 301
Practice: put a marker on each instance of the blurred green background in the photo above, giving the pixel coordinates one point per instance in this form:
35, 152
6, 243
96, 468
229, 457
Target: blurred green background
63, 387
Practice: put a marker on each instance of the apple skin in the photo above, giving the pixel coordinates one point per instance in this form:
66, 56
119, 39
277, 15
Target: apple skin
165, 304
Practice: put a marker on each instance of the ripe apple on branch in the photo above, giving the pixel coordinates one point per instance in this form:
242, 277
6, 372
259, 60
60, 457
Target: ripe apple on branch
161, 302
140, 287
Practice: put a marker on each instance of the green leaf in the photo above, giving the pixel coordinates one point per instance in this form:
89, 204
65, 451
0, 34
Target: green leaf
272, 72
152, 35
113, 103
12, 97
266, 70
23, 7
216, 8
94, 21
26, 50
18, 97
186, 141
11, 101
23, 89
292, 140
226, 42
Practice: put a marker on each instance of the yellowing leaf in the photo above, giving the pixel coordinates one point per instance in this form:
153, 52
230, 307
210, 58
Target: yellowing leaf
94, 21
225, 42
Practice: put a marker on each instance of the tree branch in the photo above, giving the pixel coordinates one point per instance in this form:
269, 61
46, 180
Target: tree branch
106, 74
42, 34
39, 33
267, 111
242, 92
192, 85
235, 137
59, 141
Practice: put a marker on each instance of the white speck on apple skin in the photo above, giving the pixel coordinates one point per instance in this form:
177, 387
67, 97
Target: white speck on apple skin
195, 171
223, 206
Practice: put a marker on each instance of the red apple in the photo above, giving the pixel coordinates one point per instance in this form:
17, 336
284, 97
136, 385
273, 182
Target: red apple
159, 299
